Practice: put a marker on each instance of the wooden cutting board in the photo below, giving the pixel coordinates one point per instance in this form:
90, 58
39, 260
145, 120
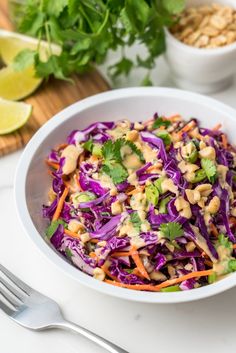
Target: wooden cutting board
49, 99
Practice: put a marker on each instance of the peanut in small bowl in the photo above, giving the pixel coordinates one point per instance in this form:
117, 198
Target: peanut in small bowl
201, 47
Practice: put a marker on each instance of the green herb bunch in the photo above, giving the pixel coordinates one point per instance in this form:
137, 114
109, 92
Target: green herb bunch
87, 29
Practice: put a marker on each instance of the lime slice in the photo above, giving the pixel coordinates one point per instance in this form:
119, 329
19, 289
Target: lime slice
15, 85
12, 43
13, 115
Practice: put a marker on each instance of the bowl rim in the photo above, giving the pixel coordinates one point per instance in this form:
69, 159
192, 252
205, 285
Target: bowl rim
82, 278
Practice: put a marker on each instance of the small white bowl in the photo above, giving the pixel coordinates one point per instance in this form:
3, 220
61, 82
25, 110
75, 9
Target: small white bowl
197, 69
32, 180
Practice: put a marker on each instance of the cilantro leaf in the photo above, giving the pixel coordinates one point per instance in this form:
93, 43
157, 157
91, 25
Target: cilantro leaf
147, 82
111, 150
210, 169
54, 8
113, 162
134, 148
174, 6
171, 230
161, 122
136, 221
116, 171
53, 227
123, 66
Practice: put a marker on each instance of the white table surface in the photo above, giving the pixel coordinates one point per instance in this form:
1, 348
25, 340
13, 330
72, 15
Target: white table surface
207, 325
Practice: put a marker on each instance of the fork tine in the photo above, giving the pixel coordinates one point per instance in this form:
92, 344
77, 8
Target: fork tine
8, 299
18, 283
6, 308
13, 291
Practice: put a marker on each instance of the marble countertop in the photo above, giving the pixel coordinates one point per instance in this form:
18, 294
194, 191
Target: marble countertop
206, 325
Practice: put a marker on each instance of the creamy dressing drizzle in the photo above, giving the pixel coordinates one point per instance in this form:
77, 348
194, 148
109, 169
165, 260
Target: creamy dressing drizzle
201, 242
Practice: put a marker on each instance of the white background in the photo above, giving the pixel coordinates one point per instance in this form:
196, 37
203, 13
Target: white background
206, 325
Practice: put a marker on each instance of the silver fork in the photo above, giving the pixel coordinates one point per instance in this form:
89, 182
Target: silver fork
35, 311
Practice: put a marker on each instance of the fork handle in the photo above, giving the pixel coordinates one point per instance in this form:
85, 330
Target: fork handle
110, 347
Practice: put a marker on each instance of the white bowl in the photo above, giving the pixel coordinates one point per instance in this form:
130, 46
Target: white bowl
197, 69
32, 180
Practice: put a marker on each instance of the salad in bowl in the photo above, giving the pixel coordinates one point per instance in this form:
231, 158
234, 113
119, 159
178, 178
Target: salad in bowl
145, 205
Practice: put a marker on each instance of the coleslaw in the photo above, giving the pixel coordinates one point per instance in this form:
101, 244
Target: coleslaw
147, 205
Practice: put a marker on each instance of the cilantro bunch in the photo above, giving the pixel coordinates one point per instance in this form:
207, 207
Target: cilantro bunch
87, 29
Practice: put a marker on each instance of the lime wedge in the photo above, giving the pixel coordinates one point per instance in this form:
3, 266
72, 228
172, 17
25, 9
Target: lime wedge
13, 115
15, 85
12, 43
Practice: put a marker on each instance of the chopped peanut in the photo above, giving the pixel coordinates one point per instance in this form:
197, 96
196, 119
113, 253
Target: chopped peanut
183, 207
99, 274
208, 152
138, 126
74, 226
168, 185
132, 135
193, 196
51, 195
206, 26
204, 189
190, 246
85, 237
71, 154
116, 208
214, 205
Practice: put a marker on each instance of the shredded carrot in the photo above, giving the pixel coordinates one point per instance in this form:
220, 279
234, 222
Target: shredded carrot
78, 184
196, 135
137, 273
147, 287
135, 191
50, 172
93, 255
217, 127
121, 253
148, 122
208, 263
69, 186
154, 167
95, 241
93, 159
52, 164
174, 281
165, 284
71, 234
138, 262
214, 230
232, 220
187, 127
174, 118
61, 146
234, 246
224, 141
60, 205
107, 272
